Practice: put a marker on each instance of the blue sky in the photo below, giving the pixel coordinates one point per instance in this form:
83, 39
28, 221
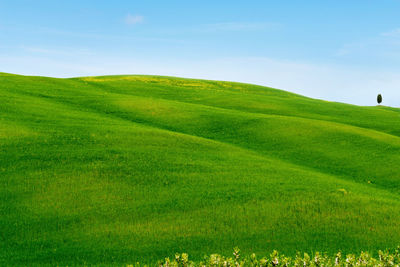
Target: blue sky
343, 50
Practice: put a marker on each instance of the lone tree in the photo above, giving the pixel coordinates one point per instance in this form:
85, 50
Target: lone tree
379, 99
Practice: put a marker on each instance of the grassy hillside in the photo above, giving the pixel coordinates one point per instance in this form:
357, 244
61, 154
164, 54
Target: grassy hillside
117, 169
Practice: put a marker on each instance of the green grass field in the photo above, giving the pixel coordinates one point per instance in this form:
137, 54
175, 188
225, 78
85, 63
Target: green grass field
118, 169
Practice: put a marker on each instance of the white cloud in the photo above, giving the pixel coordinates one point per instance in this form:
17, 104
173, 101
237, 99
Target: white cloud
133, 19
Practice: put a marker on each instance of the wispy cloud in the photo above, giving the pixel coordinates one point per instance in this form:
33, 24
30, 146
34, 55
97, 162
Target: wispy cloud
383, 45
56, 51
45, 31
350, 48
134, 19
241, 26
393, 33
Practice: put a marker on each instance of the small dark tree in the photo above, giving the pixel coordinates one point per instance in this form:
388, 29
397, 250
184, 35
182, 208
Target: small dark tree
379, 99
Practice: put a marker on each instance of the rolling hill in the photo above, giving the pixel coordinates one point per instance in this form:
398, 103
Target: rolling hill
119, 169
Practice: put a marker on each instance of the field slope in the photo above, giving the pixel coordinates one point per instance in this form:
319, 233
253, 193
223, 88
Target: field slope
117, 169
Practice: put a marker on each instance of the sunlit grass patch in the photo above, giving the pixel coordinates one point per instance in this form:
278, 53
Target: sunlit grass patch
9, 130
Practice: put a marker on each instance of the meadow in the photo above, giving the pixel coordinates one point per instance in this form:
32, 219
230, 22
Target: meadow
118, 169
